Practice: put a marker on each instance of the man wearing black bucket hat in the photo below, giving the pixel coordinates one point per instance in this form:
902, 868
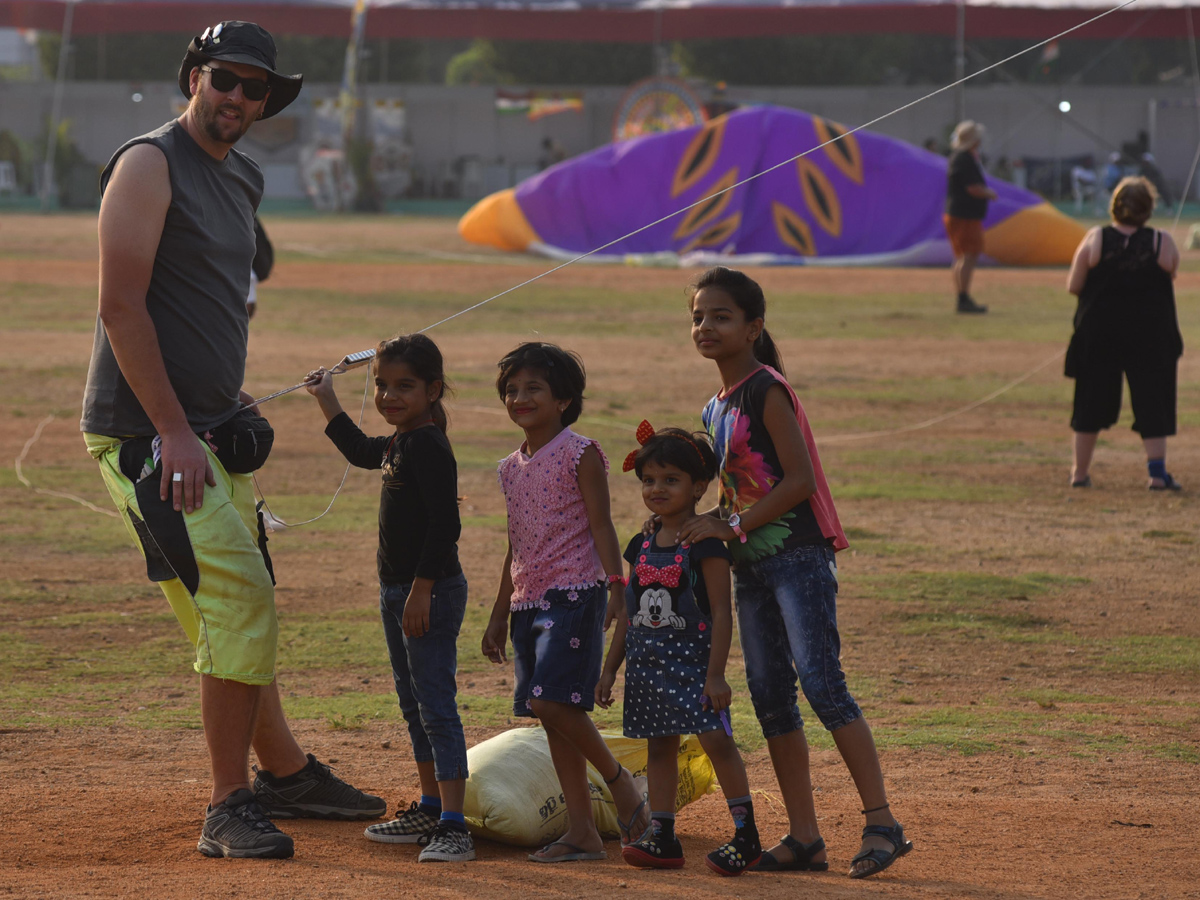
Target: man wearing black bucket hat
163, 408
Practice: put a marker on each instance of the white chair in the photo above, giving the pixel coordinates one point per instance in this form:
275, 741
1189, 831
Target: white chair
1083, 187
471, 183
8, 177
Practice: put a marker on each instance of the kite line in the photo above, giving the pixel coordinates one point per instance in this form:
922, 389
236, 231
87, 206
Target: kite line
669, 216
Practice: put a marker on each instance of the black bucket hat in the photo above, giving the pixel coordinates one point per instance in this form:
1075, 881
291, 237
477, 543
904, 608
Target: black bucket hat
245, 43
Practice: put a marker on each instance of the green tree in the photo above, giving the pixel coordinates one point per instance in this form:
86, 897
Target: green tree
478, 64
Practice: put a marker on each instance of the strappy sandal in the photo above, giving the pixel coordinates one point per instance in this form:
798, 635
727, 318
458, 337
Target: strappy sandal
801, 861
626, 828
1168, 484
893, 834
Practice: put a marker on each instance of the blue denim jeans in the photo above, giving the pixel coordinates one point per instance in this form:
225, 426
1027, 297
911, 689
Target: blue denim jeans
787, 621
424, 668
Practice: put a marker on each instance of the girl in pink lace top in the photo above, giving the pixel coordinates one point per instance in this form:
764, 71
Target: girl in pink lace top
562, 554
548, 525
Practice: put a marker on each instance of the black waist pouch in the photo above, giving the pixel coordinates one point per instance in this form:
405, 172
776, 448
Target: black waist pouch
243, 443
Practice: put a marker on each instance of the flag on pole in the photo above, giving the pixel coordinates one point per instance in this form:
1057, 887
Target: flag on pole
1046, 67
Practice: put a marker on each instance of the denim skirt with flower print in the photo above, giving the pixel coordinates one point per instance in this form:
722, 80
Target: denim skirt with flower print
558, 647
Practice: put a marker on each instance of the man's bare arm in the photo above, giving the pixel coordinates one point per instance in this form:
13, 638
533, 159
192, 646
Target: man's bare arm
132, 215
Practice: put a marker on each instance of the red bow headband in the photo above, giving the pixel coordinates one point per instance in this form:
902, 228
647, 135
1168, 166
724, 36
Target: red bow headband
644, 432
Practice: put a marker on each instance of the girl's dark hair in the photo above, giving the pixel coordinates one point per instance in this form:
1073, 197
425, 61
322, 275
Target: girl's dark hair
690, 452
750, 300
1133, 201
421, 355
562, 370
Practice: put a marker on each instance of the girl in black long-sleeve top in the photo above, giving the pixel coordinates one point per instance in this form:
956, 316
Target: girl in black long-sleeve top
423, 594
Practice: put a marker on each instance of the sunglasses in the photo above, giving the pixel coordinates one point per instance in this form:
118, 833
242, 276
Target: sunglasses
225, 81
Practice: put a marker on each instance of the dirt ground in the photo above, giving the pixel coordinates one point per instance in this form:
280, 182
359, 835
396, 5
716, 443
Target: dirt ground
115, 813
115, 810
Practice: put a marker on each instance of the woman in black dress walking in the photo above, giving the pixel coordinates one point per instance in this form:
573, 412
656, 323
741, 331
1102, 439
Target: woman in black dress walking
1125, 324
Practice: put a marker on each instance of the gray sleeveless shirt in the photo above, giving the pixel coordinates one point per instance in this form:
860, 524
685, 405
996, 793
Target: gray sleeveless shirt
197, 294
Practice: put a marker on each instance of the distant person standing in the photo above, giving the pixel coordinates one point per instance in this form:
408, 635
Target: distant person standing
967, 196
1125, 325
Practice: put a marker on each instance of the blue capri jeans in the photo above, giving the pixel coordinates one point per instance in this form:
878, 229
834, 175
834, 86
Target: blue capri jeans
424, 670
787, 621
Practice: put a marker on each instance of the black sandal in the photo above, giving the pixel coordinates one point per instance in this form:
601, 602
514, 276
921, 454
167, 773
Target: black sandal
801, 860
894, 834
1168, 484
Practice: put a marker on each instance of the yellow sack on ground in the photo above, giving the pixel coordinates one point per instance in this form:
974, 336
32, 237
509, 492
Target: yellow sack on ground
513, 794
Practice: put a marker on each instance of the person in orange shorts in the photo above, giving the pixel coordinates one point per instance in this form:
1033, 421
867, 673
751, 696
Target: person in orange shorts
967, 196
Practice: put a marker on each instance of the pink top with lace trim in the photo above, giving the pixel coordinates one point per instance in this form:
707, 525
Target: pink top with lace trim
547, 520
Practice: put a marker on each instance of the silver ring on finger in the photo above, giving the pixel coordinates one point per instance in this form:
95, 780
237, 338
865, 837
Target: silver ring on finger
177, 477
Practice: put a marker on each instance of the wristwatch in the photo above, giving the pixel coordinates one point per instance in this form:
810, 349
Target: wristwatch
735, 522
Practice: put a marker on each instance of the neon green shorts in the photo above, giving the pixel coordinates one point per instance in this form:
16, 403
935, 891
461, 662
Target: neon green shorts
211, 563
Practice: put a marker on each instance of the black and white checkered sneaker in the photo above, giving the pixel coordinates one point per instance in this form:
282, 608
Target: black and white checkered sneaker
408, 827
314, 793
447, 844
237, 827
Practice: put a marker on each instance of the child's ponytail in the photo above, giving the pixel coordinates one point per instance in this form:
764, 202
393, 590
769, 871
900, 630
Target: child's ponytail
438, 412
748, 295
767, 353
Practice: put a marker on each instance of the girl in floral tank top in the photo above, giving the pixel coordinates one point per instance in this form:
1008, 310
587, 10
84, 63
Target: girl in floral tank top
561, 586
778, 516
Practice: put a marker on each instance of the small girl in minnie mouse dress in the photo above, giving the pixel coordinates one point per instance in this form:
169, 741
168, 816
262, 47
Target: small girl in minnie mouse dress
676, 638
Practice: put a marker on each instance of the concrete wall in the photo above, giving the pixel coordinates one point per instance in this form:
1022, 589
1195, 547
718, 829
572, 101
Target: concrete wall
447, 124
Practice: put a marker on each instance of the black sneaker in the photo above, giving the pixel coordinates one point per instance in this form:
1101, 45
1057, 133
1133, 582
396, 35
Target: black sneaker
445, 843
314, 793
738, 855
237, 827
654, 852
967, 305
408, 827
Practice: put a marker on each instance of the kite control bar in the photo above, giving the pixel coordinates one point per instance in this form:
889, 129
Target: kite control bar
349, 361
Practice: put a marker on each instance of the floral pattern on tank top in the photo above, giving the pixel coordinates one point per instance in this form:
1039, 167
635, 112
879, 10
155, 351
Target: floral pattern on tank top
747, 474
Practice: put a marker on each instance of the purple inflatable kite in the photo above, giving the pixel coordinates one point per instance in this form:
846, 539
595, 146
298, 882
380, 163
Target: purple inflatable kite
866, 199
